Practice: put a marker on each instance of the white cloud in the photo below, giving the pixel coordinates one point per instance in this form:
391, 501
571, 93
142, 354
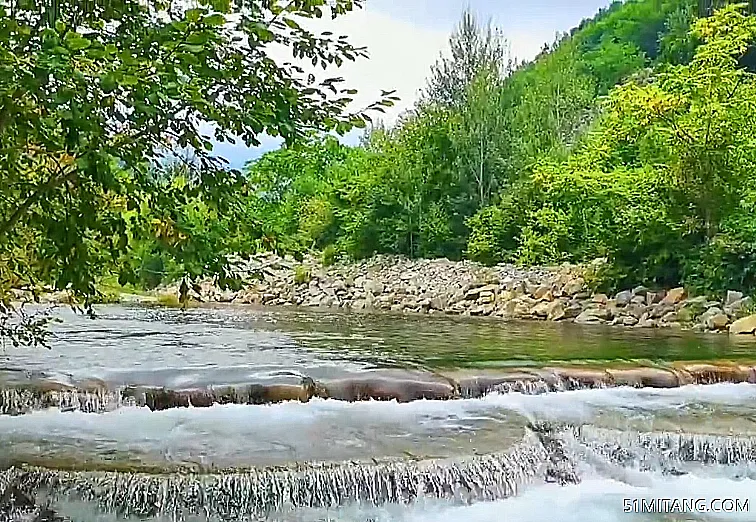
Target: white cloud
400, 57
401, 54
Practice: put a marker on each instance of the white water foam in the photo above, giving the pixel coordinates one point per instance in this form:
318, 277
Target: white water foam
596, 499
340, 430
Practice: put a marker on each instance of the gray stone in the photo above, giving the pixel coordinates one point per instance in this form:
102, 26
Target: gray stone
732, 297
624, 298
640, 290
629, 320
717, 322
588, 317
373, 286
654, 297
669, 317
600, 299
639, 300
573, 287
555, 311
739, 305
744, 326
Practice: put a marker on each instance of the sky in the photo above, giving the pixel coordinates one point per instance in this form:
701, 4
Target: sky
404, 39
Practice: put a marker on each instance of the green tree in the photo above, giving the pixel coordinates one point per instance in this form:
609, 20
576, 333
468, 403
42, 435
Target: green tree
92, 99
474, 48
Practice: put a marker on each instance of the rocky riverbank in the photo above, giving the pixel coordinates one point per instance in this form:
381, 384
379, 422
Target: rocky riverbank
439, 286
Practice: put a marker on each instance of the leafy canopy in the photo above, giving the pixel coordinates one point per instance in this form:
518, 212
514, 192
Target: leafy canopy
95, 97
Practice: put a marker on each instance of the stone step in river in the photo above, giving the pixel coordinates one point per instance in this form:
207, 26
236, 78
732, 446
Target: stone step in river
251, 414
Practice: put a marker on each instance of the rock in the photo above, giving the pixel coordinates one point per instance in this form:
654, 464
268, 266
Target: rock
555, 311
685, 315
640, 290
669, 317
746, 325
572, 311
674, 296
397, 307
717, 322
660, 310
738, 305
711, 312
600, 299
588, 317
373, 286
636, 310
624, 298
541, 310
437, 303
573, 287
654, 297
645, 321
485, 297
542, 291
629, 320
638, 300
732, 297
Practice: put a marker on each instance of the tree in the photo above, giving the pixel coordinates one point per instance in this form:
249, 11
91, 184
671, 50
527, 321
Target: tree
94, 97
481, 139
474, 49
696, 120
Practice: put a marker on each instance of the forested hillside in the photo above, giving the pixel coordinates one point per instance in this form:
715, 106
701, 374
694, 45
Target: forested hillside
629, 138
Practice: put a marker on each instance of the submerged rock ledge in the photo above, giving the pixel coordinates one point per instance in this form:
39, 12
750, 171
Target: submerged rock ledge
547, 453
38, 394
243, 495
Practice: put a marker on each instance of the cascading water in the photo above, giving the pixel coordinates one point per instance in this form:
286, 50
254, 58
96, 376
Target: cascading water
300, 427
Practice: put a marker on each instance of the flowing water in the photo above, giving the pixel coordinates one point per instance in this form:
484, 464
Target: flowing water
469, 459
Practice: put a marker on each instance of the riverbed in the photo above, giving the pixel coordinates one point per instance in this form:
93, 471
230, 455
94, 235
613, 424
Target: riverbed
232, 345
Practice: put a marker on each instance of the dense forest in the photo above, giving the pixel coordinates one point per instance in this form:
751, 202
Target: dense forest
630, 138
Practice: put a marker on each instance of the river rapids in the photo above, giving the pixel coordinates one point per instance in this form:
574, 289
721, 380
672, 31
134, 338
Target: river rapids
224, 414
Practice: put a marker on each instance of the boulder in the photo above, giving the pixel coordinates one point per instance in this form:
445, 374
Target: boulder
746, 325
624, 298
542, 291
555, 311
573, 287
589, 317
541, 310
640, 290
733, 296
737, 306
669, 317
674, 296
717, 322
600, 299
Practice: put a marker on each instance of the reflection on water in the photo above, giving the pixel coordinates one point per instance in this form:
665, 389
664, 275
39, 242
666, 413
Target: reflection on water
232, 345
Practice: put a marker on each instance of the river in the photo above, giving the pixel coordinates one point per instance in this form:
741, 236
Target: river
236, 346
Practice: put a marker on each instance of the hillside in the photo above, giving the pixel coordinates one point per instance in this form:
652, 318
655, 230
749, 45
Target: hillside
603, 146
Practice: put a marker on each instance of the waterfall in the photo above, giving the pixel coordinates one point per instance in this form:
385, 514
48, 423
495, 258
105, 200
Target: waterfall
235, 495
665, 450
20, 400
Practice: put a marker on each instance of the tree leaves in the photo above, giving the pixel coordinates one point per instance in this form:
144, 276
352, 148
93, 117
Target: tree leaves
122, 88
